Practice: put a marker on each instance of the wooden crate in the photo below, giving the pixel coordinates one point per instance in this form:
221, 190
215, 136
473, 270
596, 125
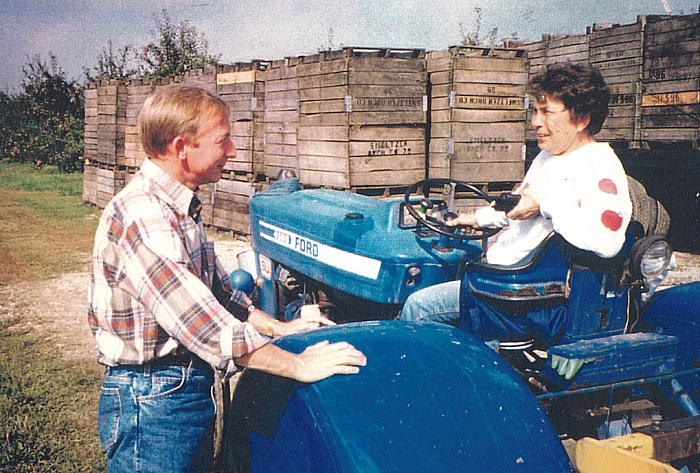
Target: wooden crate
111, 121
572, 48
242, 87
671, 82
89, 183
136, 93
477, 114
281, 116
91, 123
362, 117
204, 77
206, 196
536, 52
616, 50
110, 180
230, 209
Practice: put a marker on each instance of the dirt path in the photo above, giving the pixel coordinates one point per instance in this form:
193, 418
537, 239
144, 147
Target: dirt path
56, 308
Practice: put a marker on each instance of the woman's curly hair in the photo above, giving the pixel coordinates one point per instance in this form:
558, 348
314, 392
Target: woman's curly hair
581, 88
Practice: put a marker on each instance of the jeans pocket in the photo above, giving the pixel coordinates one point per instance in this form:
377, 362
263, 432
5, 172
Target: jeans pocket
109, 415
165, 382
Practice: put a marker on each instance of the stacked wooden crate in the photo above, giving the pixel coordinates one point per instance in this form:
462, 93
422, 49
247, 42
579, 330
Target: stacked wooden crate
90, 145
109, 182
90, 183
616, 50
111, 122
204, 78
242, 87
477, 114
362, 116
136, 93
671, 83
91, 122
536, 55
573, 48
281, 116
230, 210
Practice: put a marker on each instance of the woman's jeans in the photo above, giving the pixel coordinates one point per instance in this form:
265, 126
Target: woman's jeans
157, 418
439, 303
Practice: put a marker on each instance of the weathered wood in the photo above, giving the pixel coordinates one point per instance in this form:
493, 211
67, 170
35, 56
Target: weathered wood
674, 439
490, 77
488, 172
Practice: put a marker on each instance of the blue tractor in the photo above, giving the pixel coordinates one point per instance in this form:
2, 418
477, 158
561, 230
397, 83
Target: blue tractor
435, 398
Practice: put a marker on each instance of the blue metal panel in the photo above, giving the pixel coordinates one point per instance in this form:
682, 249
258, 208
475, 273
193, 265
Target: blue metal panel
431, 398
616, 358
676, 311
350, 242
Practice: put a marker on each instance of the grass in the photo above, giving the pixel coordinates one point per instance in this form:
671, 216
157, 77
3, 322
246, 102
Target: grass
48, 406
45, 229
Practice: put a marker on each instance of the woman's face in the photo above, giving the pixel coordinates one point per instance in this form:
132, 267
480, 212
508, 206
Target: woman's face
557, 131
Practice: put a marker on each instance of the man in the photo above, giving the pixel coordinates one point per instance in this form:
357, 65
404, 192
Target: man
575, 187
156, 295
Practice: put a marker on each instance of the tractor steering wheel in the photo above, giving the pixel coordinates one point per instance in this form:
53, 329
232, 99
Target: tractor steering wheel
438, 225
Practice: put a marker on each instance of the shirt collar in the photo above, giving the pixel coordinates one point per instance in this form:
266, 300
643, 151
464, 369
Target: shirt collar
180, 194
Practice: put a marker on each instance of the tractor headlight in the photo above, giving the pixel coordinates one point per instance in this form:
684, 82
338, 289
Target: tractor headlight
650, 257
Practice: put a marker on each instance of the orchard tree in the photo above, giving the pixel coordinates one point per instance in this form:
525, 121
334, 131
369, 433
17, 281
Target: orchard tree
175, 50
43, 122
120, 64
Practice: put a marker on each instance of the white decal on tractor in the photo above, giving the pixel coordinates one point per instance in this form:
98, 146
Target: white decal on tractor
341, 259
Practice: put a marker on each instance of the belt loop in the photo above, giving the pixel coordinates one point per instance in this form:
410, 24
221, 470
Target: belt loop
147, 370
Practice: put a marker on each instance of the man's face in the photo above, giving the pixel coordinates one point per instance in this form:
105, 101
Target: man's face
557, 132
208, 152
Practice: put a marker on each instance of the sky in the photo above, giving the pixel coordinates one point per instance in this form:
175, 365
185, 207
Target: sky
76, 31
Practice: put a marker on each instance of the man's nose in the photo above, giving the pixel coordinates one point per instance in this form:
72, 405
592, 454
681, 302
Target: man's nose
231, 149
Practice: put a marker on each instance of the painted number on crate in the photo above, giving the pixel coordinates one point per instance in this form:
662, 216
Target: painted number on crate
388, 148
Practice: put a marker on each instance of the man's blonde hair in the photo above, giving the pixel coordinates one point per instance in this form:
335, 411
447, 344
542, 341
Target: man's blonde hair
174, 111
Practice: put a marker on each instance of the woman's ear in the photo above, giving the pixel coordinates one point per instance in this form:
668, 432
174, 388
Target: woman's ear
582, 122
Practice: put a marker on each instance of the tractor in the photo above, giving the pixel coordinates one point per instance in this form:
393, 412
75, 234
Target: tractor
618, 391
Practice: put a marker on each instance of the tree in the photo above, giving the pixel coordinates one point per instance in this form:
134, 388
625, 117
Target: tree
473, 38
43, 122
175, 50
122, 64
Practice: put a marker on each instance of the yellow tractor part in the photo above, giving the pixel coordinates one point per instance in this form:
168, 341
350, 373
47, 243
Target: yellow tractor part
629, 453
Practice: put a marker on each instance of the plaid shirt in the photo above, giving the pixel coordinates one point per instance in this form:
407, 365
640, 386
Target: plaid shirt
152, 277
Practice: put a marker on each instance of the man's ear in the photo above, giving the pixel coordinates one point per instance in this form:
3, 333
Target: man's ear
179, 144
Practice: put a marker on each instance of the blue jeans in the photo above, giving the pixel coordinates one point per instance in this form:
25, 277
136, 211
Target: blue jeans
439, 303
157, 418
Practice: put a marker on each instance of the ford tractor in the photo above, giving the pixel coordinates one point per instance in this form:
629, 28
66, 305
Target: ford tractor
617, 391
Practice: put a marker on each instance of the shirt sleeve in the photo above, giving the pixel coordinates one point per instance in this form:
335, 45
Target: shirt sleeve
488, 217
595, 217
183, 306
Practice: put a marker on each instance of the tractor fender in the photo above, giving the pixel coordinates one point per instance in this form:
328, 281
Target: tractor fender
431, 398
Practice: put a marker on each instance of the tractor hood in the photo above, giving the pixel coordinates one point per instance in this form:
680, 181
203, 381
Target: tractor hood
350, 242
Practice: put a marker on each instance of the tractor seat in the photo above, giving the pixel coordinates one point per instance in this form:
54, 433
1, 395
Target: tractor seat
542, 275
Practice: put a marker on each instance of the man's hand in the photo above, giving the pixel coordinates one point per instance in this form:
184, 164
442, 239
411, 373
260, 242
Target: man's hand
310, 319
317, 362
529, 205
324, 359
